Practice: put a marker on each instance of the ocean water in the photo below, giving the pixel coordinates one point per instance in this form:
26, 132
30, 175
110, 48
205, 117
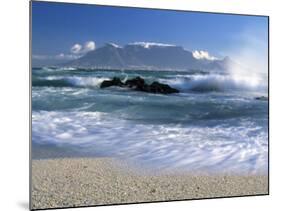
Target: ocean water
214, 124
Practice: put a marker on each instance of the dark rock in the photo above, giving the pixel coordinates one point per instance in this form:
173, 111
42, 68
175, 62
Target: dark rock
135, 82
263, 98
157, 87
114, 82
139, 84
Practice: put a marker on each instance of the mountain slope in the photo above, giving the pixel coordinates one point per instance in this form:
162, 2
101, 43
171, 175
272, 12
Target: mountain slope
145, 56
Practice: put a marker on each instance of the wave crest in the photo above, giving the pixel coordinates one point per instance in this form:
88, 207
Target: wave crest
71, 81
216, 82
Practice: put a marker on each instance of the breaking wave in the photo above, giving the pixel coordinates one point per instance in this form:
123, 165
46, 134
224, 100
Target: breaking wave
71, 81
195, 148
216, 82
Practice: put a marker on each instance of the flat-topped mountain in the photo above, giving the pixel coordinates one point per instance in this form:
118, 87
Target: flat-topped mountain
148, 56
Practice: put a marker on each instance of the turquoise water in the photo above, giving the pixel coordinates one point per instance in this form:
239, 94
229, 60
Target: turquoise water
213, 124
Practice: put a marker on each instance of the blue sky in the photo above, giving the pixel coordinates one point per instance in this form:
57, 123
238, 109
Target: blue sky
56, 27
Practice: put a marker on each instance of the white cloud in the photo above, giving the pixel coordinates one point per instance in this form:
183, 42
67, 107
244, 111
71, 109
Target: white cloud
79, 49
203, 55
89, 46
150, 44
114, 45
76, 48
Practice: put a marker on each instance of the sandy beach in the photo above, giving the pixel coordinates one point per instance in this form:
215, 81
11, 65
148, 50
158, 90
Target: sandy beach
98, 181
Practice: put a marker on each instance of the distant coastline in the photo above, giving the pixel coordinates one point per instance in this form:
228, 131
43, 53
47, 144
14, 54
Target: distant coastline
141, 56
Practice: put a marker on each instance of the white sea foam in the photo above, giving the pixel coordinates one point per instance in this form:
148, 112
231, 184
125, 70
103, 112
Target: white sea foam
240, 148
68, 68
80, 81
86, 81
217, 82
48, 69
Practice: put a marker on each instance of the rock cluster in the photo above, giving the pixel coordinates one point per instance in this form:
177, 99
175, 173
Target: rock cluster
139, 84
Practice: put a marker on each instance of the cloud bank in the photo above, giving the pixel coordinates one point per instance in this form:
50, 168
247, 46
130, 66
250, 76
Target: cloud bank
203, 55
150, 44
76, 48
79, 49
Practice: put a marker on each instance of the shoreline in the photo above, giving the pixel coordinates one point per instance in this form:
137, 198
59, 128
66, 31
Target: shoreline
73, 182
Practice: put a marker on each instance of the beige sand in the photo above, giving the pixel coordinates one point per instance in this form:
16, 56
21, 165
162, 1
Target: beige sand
97, 181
